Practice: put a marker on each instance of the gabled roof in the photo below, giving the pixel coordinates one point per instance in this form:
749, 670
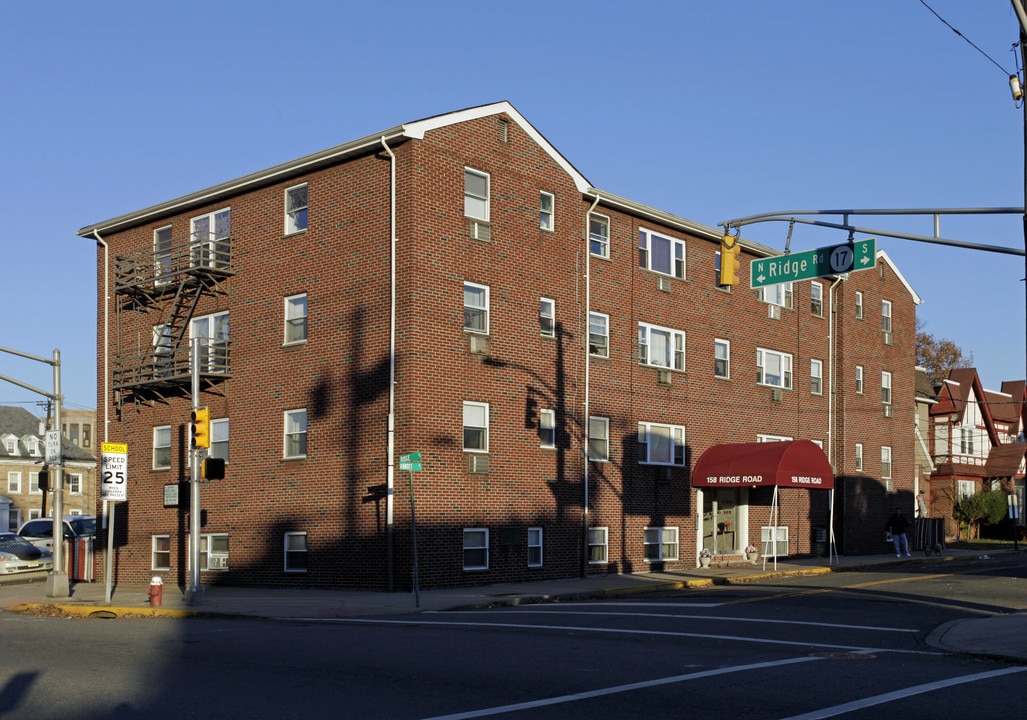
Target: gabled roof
924, 389
954, 394
1006, 460
22, 424
883, 256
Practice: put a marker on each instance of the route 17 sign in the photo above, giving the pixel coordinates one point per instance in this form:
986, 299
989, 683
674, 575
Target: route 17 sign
113, 471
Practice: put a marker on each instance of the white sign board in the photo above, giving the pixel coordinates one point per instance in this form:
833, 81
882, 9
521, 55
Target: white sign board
53, 447
113, 471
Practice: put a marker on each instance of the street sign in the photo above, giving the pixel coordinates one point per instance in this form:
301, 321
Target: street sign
410, 457
831, 260
113, 471
409, 465
53, 447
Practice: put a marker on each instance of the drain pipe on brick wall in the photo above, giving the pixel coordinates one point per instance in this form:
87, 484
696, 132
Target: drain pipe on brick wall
391, 468
588, 364
831, 409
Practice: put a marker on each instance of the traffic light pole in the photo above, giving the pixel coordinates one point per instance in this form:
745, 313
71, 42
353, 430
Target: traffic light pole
195, 592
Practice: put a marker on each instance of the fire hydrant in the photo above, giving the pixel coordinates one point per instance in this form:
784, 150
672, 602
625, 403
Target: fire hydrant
156, 591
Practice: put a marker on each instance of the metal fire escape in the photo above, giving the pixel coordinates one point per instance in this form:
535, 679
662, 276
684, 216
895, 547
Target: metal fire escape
170, 278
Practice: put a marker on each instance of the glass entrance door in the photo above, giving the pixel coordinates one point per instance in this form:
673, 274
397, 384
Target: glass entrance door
720, 520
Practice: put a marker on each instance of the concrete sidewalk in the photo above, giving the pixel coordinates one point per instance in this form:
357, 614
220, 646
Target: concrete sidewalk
1001, 636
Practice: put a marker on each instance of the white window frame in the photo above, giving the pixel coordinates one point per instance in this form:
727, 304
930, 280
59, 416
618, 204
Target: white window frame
598, 545
547, 317
674, 345
598, 334
294, 433
546, 211
14, 481
661, 539
473, 311
297, 216
163, 257
763, 438
965, 488
220, 557
34, 484
675, 253
160, 445
784, 362
11, 444
73, 483
859, 379
220, 434
886, 394
886, 324
476, 205
547, 428
598, 439
476, 549
966, 440
289, 550
475, 420
859, 305
886, 462
214, 333
816, 376
781, 295
535, 547
816, 299
599, 235
859, 457
206, 245
155, 551
658, 436
722, 359
296, 313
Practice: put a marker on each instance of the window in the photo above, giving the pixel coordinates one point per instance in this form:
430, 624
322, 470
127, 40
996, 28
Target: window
214, 552
14, 482
547, 317
34, 484
296, 319
661, 254
32, 445
476, 549
71, 432
296, 209
87, 435
295, 552
535, 547
545, 210
163, 352
295, 433
73, 483
160, 552
476, 427
816, 377
11, 445
15, 520
599, 235
476, 194
859, 305
219, 439
661, 347
162, 447
816, 299
885, 462
886, 388
859, 379
599, 334
964, 488
773, 368
213, 333
547, 428
780, 295
886, 315
966, 441
597, 543
598, 439
163, 260
661, 444
661, 543
211, 239
721, 358
476, 308
859, 457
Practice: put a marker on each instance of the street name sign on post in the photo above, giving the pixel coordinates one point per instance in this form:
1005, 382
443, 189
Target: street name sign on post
410, 461
830, 260
53, 447
113, 471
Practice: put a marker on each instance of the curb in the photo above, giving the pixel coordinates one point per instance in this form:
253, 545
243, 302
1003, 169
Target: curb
103, 611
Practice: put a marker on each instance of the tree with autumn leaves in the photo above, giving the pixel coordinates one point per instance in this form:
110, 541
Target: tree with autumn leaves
938, 356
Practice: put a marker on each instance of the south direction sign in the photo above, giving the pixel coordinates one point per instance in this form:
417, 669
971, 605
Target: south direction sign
831, 260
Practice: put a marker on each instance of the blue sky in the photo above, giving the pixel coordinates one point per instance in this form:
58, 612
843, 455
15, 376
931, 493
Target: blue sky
708, 110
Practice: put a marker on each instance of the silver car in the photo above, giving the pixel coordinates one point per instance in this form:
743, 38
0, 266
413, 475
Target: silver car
39, 531
19, 556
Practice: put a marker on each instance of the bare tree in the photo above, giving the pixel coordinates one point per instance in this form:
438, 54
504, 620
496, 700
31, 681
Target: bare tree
938, 356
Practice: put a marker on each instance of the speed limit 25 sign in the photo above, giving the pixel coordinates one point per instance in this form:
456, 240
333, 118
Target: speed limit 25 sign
113, 471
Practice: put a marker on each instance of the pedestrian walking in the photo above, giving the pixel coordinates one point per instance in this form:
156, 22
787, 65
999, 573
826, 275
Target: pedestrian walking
897, 525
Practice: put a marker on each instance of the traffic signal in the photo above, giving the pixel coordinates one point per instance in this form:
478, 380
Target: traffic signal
213, 468
201, 428
729, 262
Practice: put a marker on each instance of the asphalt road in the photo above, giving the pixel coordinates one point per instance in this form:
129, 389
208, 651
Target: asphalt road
848, 645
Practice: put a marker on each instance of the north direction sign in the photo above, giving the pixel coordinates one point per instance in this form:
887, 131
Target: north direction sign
831, 260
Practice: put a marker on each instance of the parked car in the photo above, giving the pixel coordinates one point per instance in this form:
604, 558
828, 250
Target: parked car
39, 532
18, 555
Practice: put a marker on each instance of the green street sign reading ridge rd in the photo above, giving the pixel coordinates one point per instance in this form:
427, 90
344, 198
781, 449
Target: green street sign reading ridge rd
831, 260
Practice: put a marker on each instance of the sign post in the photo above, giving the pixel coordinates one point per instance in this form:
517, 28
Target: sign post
113, 487
1014, 515
830, 260
411, 463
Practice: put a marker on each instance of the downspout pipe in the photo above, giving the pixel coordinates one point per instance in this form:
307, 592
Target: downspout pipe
588, 365
391, 443
106, 327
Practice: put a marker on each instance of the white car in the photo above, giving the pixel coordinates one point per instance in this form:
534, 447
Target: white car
39, 532
18, 556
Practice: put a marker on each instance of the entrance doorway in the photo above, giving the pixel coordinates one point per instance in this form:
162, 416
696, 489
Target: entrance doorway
720, 525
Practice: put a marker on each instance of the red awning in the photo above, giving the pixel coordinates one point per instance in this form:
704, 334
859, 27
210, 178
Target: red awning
794, 463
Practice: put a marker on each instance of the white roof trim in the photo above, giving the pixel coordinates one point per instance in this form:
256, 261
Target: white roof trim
882, 255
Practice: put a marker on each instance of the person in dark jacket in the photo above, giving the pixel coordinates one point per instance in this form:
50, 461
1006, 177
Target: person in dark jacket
897, 525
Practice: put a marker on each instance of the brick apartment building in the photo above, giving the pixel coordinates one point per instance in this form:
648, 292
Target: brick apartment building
454, 287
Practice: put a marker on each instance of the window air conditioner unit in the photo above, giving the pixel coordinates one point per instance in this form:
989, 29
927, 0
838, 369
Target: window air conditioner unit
478, 464
480, 344
776, 394
887, 337
663, 283
663, 377
479, 229
774, 312
887, 410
